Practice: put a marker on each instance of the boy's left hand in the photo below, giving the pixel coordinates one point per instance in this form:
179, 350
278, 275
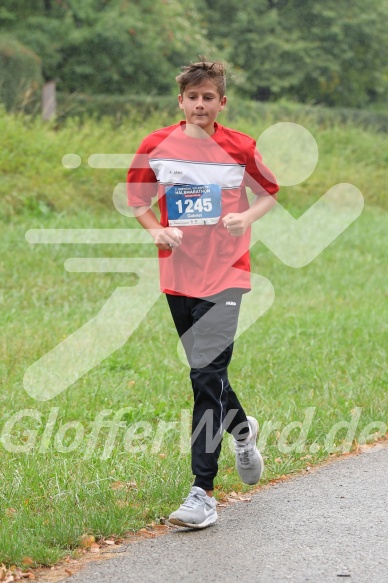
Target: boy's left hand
236, 223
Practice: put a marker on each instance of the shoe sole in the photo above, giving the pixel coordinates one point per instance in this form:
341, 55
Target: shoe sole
208, 522
256, 424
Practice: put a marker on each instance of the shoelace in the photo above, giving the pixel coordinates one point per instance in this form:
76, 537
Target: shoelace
244, 455
192, 500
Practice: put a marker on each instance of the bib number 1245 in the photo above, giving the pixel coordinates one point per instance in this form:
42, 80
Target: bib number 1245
200, 205
193, 204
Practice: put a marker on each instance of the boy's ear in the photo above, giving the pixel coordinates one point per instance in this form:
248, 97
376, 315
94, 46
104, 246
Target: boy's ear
223, 103
180, 100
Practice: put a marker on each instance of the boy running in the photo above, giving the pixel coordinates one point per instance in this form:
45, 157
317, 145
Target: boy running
199, 170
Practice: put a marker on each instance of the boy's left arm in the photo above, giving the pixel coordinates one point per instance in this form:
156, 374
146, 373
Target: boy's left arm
263, 184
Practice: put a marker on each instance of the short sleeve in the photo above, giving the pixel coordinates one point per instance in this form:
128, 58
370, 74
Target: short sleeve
257, 176
142, 185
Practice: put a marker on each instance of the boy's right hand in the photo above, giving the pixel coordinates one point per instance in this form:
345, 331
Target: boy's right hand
167, 238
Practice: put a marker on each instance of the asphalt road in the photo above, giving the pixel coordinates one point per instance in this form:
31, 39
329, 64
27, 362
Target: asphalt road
330, 525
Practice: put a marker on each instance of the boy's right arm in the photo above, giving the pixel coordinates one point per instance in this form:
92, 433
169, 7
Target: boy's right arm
141, 188
165, 238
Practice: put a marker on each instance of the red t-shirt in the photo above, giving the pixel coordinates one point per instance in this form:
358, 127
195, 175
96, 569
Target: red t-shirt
209, 259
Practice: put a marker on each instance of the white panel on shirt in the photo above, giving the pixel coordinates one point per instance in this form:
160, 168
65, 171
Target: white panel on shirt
187, 172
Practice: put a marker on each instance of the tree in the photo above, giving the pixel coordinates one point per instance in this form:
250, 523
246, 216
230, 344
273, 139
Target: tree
20, 73
333, 52
112, 46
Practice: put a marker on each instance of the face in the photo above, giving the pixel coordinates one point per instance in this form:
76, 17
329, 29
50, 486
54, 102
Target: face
201, 105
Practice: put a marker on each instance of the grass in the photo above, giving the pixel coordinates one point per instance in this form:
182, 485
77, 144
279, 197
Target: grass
322, 346
33, 180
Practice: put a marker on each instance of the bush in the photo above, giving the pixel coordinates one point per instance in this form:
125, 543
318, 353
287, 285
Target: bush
119, 107
140, 107
324, 117
20, 75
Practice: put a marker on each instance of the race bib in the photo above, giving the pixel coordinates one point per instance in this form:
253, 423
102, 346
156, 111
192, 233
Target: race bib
193, 204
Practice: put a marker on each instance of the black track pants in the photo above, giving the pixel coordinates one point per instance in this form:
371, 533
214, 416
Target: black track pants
207, 328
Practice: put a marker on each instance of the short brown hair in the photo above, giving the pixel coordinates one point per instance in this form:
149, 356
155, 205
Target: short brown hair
198, 73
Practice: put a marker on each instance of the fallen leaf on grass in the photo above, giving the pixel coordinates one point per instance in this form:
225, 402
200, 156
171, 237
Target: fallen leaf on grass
121, 485
14, 574
28, 561
237, 497
145, 532
87, 540
95, 548
222, 496
10, 512
160, 527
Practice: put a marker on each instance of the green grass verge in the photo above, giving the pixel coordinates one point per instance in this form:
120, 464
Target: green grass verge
321, 348
33, 180
322, 345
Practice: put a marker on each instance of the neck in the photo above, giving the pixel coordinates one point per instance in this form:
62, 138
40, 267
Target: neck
194, 131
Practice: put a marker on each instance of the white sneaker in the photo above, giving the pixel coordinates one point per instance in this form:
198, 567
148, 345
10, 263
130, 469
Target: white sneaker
197, 511
249, 462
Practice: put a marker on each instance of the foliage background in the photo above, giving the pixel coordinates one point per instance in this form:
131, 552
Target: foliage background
333, 53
